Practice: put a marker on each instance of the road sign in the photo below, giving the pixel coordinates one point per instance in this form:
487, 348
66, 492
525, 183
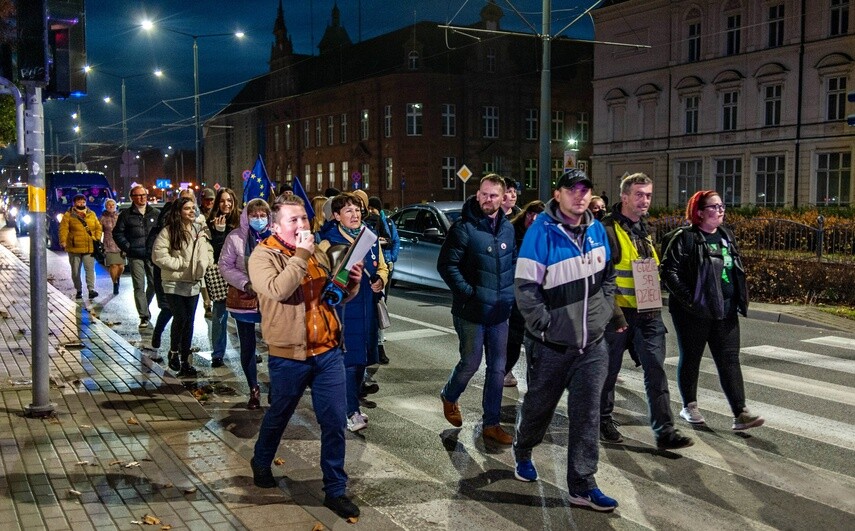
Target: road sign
216, 186
356, 176
162, 183
464, 173
570, 159
246, 175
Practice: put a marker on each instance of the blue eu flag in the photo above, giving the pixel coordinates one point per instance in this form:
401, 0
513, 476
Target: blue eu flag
258, 185
300, 192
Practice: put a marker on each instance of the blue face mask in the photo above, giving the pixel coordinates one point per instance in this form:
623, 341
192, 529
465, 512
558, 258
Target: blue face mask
258, 224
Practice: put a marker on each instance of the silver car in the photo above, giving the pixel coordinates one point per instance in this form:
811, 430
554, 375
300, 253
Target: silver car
422, 229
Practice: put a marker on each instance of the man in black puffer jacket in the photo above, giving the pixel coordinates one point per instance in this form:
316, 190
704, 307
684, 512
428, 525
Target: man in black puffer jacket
476, 261
130, 233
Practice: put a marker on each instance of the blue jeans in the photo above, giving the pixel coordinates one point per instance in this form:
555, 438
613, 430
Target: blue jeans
288, 380
219, 329
647, 334
355, 377
246, 335
550, 372
475, 339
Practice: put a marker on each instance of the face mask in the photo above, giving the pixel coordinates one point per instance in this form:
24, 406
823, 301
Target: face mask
80, 208
258, 224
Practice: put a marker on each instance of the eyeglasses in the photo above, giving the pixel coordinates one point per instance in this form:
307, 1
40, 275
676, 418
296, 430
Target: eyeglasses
719, 207
138, 195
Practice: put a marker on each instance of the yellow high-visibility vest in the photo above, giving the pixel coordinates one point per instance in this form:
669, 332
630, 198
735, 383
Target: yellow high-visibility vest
625, 292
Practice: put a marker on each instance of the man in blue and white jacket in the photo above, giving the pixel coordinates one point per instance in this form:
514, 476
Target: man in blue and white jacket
564, 285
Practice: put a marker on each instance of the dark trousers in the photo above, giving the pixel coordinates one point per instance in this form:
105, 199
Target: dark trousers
181, 333
550, 372
355, 377
516, 331
722, 336
163, 318
246, 336
647, 333
288, 381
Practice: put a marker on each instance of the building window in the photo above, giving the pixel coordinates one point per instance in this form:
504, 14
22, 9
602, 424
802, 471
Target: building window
833, 179
733, 34
414, 119
689, 180
342, 129
330, 130
836, 98
531, 117
288, 175
387, 121
489, 167
729, 110
317, 132
364, 169
363, 124
769, 181
276, 138
306, 135
557, 125
776, 26
449, 119
694, 42
345, 175
307, 177
691, 104
839, 17
331, 174
557, 170
287, 136
449, 173
728, 181
389, 173
320, 176
490, 122
491, 60
413, 60
530, 174
582, 127
772, 114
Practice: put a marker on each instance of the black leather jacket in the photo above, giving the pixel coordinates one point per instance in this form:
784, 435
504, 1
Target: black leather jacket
132, 229
693, 277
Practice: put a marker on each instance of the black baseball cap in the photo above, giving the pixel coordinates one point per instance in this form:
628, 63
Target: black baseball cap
573, 177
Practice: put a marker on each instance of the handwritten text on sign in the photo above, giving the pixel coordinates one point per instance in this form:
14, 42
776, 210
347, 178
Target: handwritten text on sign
648, 294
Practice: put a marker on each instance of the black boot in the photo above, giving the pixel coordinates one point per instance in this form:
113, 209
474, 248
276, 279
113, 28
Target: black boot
174, 361
115, 288
384, 359
187, 369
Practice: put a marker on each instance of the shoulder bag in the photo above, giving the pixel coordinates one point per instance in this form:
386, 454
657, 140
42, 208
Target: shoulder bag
97, 245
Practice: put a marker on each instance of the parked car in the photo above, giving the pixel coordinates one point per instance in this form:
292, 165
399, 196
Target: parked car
422, 229
17, 212
61, 188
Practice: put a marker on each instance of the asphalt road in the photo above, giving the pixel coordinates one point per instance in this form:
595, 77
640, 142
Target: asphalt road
797, 472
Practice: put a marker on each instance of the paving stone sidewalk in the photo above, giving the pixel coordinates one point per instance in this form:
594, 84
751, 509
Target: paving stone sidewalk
127, 439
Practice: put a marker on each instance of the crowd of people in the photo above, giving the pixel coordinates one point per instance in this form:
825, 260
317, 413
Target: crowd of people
558, 278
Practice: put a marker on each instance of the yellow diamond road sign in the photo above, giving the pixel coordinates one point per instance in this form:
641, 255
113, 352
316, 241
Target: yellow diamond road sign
464, 173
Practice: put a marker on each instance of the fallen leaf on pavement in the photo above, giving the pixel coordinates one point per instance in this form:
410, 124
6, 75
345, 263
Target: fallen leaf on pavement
74, 344
133, 420
318, 527
166, 527
85, 426
115, 463
278, 461
75, 492
190, 490
132, 464
151, 520
4, 314
83, 463
352, 520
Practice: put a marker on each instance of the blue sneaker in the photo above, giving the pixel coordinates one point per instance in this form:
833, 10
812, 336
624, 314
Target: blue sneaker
595, 499
525, 471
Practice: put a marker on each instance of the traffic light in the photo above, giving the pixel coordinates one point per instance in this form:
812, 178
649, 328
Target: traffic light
67, 44
32, 38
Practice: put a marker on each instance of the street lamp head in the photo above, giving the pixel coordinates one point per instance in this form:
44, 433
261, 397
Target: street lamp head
240, 34
87, 69
107, 99
76, 128
74, 116
158, 72
147, 25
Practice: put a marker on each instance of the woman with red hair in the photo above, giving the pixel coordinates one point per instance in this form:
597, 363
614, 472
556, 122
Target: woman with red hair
702, 270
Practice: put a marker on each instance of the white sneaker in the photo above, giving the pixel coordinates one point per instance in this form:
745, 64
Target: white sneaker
356, 422
692, 414
510, 380
364, 416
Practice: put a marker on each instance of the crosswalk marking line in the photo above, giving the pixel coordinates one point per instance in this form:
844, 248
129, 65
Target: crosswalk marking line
812, 427
422, 323
802, 358
794, 384
412, 334
832, 341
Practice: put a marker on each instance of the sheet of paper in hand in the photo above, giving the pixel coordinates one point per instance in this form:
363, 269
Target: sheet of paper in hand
645, 274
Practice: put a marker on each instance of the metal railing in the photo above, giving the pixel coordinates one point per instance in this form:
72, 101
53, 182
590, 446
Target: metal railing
781, 238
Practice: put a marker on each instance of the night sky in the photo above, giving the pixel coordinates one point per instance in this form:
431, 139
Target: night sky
117, 46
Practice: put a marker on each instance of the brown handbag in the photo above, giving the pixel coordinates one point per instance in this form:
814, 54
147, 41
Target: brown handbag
237, 299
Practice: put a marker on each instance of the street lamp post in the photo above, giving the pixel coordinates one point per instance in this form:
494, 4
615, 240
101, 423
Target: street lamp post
148, 26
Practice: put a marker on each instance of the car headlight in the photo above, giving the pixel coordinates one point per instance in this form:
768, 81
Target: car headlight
27, 219
13, 211
59, 218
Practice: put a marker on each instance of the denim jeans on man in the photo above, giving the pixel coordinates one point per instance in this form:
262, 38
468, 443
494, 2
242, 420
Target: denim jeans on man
219, 329
648, 335
477, 340
693, 334
550, 373
88, 263
142, 275
288, 380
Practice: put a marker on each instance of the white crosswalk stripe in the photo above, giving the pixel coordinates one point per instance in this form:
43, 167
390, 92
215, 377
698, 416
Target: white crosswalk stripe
832, 341
802, 358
